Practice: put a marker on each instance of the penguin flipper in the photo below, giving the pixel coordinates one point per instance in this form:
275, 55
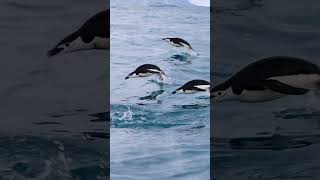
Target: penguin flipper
284, 88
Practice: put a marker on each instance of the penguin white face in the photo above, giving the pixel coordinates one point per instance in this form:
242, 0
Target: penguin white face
172, 43
166, 39
71, 46
179, 91
132, 75
222, 95
78, 44
184, 91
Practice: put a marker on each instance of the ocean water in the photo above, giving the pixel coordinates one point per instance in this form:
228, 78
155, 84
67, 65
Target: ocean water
154, 134
53, 111
272, 140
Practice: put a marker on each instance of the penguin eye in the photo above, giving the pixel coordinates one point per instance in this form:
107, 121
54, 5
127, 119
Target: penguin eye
219, 93
67, 44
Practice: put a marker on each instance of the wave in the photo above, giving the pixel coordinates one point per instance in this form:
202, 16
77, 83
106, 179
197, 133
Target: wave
130, 116
271, 142
166, 3
200, 2
31, 157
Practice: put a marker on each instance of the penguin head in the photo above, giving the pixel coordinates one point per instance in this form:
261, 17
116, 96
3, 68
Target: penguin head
132, 75
56, 50
222, 93
184, 91
179, 90
166, 39
70, 46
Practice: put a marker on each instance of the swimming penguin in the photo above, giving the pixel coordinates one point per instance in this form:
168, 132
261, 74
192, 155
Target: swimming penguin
268, 79
93, 34
146, 70
194, 86
178, 42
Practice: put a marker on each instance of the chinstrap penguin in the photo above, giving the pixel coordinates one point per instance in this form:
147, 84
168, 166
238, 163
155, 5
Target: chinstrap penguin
268, 79
93, 34
194, 86
178, 42
146, 70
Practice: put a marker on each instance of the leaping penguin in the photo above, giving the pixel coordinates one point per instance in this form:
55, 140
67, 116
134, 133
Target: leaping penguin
194, 86
93, 34
268, 79
146, 70
178, 42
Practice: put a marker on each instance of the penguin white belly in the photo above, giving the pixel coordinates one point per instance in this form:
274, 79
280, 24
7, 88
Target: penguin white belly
190, 91
145, 74
204, 87
176, 45
308, 81
259, 96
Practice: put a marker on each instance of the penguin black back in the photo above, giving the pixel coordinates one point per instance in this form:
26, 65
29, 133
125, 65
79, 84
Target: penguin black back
145, 67
193, 83
96, 26
196, 85
179, 41
272, 67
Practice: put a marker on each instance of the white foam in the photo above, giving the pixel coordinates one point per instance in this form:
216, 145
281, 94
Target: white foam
200, 2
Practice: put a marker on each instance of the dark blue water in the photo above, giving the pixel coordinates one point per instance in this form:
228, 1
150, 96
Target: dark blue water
273, 140
53, 123
154, 134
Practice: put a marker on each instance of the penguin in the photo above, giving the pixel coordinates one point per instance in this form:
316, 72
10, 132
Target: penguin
178, 42
269, 79
194, 86
146, 70
93, 34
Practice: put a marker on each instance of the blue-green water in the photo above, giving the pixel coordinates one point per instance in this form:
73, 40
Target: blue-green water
53, 124
154, 134
273, 140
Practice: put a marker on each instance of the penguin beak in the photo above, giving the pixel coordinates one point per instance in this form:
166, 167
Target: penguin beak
175, 92
54, 51
129, 76
164, 39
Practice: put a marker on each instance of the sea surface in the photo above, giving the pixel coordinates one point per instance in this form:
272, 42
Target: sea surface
273, 140
155, 134
53, 110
